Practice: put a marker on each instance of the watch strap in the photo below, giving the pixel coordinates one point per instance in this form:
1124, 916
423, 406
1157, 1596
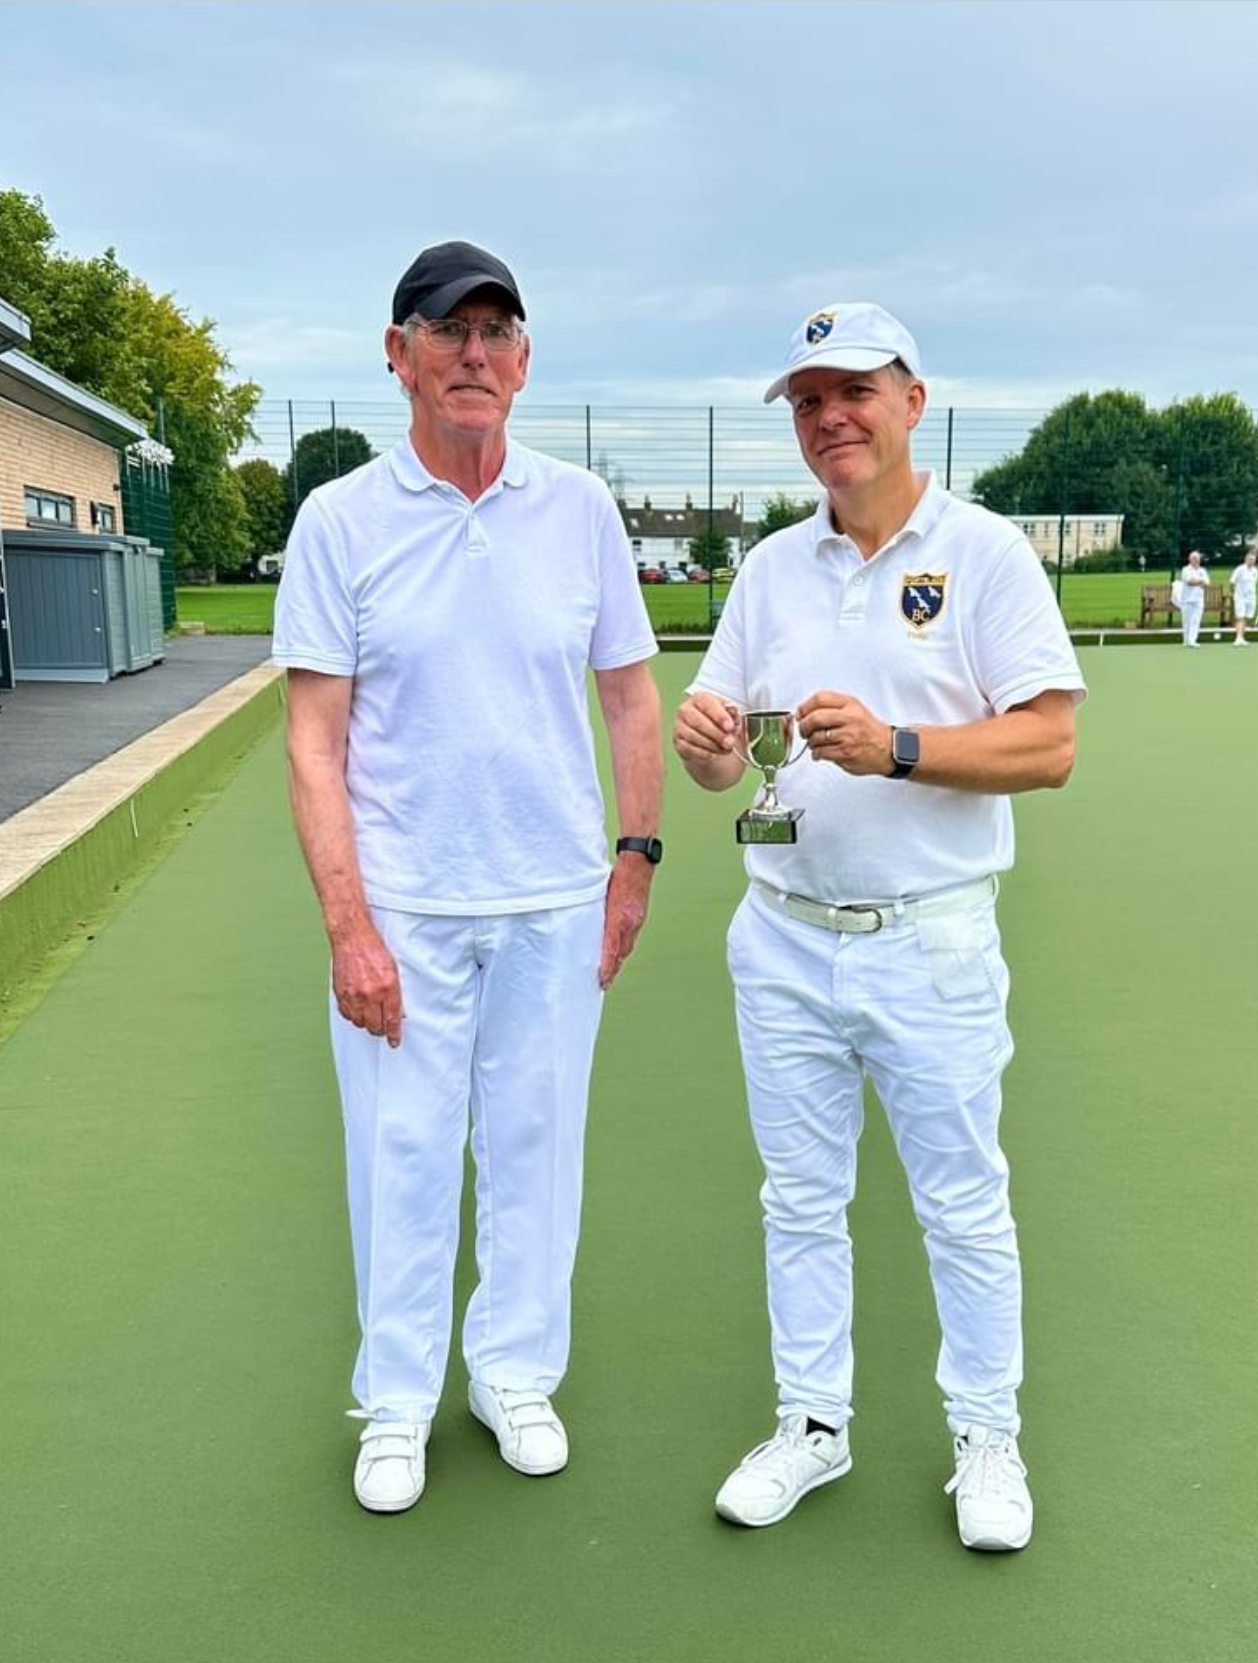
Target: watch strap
649, 847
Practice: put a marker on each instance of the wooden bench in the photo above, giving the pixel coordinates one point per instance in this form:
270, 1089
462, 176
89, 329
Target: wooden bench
1156, 609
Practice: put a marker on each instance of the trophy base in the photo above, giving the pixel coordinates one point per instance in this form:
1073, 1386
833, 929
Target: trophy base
751, 827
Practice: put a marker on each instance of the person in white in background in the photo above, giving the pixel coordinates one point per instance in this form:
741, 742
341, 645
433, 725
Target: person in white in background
440, 610
1245, 595
1192, 600
919, 645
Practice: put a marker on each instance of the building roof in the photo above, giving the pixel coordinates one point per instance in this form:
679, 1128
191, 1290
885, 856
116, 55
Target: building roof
33, 386
687, 522
15, 327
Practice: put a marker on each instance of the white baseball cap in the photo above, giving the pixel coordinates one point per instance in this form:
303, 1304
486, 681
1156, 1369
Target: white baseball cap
847, 335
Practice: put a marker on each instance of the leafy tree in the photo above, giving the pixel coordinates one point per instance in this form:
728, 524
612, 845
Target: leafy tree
709, 550
1210, 452
104, 329
781, 511
1185, 477
325, 453
1095, 454
268, 511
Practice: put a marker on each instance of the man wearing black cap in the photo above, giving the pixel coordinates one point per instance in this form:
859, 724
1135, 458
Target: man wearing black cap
439, 611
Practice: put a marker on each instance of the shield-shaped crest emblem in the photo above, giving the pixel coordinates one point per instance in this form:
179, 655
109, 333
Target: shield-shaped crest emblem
922, 598
818, 327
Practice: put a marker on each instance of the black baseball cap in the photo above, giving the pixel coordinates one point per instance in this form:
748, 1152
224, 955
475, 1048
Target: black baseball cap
439, 278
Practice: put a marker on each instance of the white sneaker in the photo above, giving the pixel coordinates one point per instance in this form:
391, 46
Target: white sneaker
994, 1512
765, 1486
530, 1434
389, 1472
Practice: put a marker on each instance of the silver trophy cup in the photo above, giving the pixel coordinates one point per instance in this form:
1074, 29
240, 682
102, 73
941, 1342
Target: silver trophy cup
767, 737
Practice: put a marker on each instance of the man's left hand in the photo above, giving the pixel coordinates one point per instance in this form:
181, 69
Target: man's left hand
628, 890
841, 730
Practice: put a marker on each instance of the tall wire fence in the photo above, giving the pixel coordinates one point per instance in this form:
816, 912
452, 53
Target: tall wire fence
1089, 497
704, 453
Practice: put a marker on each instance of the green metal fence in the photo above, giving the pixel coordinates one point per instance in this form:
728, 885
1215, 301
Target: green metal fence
146, 512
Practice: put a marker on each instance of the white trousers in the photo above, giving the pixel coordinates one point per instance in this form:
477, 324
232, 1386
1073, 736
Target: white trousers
1190, 619
501, 1018
920, 1008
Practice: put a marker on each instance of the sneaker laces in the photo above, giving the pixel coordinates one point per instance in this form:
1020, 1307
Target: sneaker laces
781, 1456
992, 1468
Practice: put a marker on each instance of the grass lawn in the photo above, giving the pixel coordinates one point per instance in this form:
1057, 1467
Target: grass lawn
179, 1314
1093, 599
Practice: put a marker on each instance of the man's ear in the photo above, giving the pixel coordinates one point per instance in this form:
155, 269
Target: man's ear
395, 352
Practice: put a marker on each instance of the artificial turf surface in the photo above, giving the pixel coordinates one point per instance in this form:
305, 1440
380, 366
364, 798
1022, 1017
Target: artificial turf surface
178, 1320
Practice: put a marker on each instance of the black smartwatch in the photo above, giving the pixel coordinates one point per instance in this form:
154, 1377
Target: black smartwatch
649, 847
906, 752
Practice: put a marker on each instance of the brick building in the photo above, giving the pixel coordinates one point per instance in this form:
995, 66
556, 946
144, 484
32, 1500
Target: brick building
60, 456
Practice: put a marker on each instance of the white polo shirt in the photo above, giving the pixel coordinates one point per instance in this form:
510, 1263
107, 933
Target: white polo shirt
468, 629
952, 621
1245, 589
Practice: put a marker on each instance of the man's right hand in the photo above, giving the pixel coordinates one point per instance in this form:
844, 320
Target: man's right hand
367, 986
705, 732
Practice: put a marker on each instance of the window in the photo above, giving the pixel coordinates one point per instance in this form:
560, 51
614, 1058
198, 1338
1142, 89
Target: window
48, 507
104, 516
637, 545
1098, 528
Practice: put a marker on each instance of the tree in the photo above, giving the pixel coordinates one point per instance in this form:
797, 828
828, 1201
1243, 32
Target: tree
268, 511
709, 550
1095, 454
1210, 453
323, 454
781, 511
101, 327
1185, 477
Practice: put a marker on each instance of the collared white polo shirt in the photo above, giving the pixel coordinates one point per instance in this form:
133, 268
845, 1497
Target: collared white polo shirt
952, 621
1244, 581
468, 629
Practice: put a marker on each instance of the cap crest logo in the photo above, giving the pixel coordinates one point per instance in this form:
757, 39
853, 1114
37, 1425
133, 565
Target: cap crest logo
818, 327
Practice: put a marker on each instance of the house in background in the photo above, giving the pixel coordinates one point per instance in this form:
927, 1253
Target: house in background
1083, 534
76, 592
661, 537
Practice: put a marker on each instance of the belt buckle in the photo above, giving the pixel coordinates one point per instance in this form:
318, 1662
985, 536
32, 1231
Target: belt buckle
877, 912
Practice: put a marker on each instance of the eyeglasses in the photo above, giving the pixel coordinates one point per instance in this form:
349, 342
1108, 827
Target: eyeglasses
451, 334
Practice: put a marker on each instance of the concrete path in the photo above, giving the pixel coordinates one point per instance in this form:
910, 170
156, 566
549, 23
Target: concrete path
52, 730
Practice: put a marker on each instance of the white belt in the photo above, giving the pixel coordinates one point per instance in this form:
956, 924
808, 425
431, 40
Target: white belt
863, 918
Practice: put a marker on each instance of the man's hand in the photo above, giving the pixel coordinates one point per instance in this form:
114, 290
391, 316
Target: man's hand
628, 890
705, 727
841, 730
366, 984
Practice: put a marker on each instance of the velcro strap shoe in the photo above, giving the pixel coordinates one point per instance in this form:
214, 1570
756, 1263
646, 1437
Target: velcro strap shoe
766, 1484
530, 1434
389, 1473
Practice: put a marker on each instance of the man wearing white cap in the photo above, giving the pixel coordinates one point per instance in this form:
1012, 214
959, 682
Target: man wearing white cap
441, 609
916, 640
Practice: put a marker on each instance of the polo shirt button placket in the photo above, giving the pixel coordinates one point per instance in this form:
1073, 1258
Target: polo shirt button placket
473, 536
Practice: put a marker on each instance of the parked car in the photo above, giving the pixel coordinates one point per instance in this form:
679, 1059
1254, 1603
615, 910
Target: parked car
650, 574
674, 574
697, 574
723, 574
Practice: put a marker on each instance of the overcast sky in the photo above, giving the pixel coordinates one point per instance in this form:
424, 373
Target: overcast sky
1052, 196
